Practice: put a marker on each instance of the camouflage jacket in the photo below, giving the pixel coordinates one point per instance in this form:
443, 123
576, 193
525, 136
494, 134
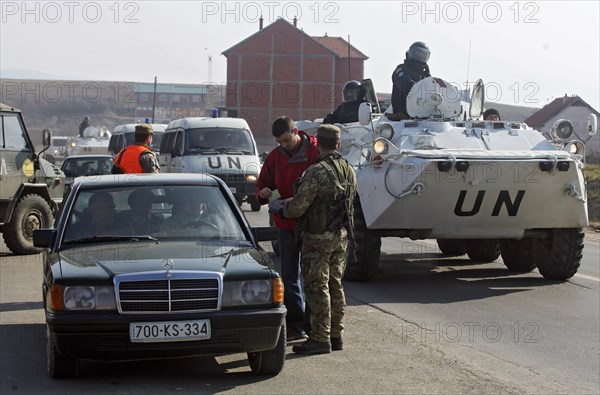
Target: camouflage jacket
317, 188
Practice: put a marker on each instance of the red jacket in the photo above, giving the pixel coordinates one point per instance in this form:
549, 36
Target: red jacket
280, 170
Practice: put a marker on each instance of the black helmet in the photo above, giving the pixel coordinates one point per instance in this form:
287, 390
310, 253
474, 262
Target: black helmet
418, 51
352, 91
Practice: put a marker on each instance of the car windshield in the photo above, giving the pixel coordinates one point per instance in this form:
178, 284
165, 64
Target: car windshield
219, 139
59, 142
134, 213
86, 166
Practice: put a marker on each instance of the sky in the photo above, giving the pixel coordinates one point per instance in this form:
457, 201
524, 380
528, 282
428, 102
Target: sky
526, 52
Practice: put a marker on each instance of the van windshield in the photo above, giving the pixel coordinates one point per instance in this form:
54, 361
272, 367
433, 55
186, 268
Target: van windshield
231, 141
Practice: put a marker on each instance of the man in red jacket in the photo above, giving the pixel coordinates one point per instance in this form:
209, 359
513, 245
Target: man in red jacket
283, 166
138, 157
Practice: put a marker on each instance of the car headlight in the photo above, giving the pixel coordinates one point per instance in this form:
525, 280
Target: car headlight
251, 178
254, 292
380, 146
83, 298
386, 131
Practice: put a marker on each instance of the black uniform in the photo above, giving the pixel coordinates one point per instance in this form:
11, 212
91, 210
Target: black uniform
345, 113
404, 77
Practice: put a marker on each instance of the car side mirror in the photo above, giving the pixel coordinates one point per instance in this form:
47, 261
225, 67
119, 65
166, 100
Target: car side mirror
46, 138
364, 113
43, 238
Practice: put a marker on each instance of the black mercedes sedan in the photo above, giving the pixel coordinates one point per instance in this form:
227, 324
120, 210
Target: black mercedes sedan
158, 266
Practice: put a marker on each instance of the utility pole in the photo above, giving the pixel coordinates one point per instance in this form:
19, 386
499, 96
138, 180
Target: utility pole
154, 99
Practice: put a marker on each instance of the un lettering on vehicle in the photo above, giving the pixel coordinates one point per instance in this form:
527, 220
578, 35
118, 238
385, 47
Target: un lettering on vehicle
504, 199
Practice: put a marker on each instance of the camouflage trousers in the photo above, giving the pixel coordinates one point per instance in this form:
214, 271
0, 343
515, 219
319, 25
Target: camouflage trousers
323, 264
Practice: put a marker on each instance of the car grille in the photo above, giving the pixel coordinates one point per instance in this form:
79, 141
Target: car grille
231, 177
169, 293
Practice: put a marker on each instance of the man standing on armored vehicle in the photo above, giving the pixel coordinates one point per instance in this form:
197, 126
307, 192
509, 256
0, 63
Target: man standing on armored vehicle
413, 69
323, 203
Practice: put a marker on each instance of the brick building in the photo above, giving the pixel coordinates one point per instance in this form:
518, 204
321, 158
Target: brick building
281, 70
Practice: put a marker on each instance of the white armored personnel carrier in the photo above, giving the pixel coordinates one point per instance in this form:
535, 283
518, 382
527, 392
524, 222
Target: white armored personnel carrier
484, 188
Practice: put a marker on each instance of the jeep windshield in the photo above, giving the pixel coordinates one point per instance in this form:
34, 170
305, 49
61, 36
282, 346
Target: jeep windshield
219, 140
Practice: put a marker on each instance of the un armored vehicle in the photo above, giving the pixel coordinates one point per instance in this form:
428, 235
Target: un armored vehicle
484, 188
93, 142
32, 188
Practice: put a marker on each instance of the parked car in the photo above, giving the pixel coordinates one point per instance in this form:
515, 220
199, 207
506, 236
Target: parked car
85, 165
131, 274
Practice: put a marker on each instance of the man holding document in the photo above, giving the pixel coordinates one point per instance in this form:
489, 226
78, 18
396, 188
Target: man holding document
282, 167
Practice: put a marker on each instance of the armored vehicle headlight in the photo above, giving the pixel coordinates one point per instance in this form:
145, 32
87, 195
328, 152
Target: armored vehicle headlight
251, 178
386, 131
575, 147
380, 146
562, 129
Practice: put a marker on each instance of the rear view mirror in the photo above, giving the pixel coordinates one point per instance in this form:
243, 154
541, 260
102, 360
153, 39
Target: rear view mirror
364, 113
46, 138
592, 125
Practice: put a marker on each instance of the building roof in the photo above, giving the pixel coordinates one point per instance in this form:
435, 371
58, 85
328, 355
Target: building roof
339, 46
554, 107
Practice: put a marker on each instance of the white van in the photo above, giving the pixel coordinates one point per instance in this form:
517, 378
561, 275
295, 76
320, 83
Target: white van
123, 137
224, 147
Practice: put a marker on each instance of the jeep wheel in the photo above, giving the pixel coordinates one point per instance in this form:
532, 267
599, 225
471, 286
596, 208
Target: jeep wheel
271, 361
32, 212
483, 250
558, 256
452, 247
368, 248
519, 255
59, 367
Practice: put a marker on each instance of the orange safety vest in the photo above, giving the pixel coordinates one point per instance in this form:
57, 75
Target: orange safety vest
129, 160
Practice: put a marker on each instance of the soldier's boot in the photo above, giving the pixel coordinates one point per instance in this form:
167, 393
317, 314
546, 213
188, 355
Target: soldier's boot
312, 347
337, 343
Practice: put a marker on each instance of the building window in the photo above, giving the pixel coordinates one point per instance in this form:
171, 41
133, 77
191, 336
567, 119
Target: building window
144, 97
196, 99
162, 97
176, 98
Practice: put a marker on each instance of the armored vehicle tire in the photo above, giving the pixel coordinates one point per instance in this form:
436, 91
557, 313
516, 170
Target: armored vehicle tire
271, 361
519, 255
558, 256
483, 250
59, 367
368, 248
31, 212
452, 246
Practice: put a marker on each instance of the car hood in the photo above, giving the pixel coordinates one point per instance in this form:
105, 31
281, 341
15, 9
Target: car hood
101, 262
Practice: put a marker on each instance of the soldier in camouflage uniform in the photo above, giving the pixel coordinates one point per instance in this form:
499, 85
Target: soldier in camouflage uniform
323, 202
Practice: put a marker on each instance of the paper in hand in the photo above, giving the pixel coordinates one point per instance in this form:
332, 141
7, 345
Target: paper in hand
274, 195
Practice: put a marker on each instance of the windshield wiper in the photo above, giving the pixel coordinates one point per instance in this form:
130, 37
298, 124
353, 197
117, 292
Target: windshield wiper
110, 238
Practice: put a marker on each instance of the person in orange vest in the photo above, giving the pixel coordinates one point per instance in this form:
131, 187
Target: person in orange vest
138, 157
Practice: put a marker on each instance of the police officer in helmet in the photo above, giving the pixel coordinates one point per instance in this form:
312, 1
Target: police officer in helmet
354, 95
405, 75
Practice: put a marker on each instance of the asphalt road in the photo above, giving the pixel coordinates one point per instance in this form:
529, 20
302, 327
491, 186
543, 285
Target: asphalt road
427, 324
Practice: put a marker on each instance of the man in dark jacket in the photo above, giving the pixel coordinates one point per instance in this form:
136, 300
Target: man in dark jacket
347, 112
282, 167
406, 75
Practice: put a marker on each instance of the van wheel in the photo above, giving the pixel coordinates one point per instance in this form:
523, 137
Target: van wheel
32, 212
